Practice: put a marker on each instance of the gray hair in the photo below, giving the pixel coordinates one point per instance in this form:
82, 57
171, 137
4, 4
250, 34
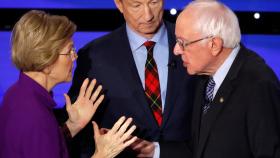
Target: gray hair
216, 19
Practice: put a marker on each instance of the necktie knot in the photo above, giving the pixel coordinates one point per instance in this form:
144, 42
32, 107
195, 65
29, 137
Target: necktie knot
149, 46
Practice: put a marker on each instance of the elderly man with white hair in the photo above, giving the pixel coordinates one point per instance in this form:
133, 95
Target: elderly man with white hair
237, 99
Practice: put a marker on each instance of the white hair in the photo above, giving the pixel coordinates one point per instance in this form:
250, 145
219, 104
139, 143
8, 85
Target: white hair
216, 19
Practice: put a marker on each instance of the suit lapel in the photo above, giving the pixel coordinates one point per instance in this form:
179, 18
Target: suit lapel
198, 102
175, 76
208, 120
173, 86
127, 68
219, 102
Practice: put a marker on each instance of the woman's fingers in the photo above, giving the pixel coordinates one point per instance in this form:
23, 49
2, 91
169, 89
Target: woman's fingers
98, 102
127, 135
124, 135
86, 91
117, 125
90, 88
115, 140
129, 142
83, 88
96, 93
123, 128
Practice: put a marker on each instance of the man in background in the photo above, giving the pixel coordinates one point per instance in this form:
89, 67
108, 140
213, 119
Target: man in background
142, 79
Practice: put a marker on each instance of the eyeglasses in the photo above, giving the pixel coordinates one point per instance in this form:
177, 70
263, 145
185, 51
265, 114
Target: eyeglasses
72, 53
183, 44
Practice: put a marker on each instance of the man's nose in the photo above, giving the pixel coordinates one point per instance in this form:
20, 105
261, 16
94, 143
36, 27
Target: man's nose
177, 50
148, 14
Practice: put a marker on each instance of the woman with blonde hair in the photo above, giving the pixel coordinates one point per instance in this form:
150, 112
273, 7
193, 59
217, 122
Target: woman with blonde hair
42, 50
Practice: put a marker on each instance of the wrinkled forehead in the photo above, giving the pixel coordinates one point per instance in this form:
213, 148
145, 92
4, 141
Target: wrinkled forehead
185, 24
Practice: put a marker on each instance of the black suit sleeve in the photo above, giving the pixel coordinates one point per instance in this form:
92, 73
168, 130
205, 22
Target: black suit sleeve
175, 149
263, 120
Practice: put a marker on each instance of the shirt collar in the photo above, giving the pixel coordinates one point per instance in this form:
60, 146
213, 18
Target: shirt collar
136, 40
221, 73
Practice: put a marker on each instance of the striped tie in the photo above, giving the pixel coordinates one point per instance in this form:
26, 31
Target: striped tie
152, 85
208, 94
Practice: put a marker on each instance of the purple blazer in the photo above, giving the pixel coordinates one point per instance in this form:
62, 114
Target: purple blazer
28, 126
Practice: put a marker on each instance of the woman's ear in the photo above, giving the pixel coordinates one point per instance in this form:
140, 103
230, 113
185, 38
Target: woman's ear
216, 45
47, 70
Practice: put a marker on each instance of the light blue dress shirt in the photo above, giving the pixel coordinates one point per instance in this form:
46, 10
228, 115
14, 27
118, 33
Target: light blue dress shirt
221, 73
161, 55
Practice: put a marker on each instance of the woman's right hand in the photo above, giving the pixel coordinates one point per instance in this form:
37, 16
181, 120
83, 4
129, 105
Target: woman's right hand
110, 144
81, 112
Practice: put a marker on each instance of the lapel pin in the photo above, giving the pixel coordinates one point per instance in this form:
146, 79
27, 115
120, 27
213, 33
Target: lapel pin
222, 100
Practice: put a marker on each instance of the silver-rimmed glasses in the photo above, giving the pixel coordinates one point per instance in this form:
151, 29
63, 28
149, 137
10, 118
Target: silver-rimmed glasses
72, 53
184, 44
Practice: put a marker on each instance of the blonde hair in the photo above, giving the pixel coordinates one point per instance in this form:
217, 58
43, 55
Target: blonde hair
37, 39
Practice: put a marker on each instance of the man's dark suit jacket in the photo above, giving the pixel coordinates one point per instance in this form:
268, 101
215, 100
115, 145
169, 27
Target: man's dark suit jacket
243, 120
109, 59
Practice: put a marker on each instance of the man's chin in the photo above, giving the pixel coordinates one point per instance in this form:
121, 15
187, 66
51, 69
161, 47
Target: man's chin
149, 30
190, 72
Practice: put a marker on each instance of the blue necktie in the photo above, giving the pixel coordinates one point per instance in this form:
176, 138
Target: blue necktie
208, 95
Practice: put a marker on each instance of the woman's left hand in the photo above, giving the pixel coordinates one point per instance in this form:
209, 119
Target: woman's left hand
81, 112
115, 140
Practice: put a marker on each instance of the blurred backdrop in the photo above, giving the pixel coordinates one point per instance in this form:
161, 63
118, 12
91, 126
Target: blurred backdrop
259, 21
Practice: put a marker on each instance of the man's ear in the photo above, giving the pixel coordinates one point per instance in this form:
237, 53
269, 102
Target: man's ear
119, 5
216, 45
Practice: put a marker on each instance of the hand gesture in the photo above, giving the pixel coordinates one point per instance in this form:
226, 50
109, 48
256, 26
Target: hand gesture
81, 112
114, 141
